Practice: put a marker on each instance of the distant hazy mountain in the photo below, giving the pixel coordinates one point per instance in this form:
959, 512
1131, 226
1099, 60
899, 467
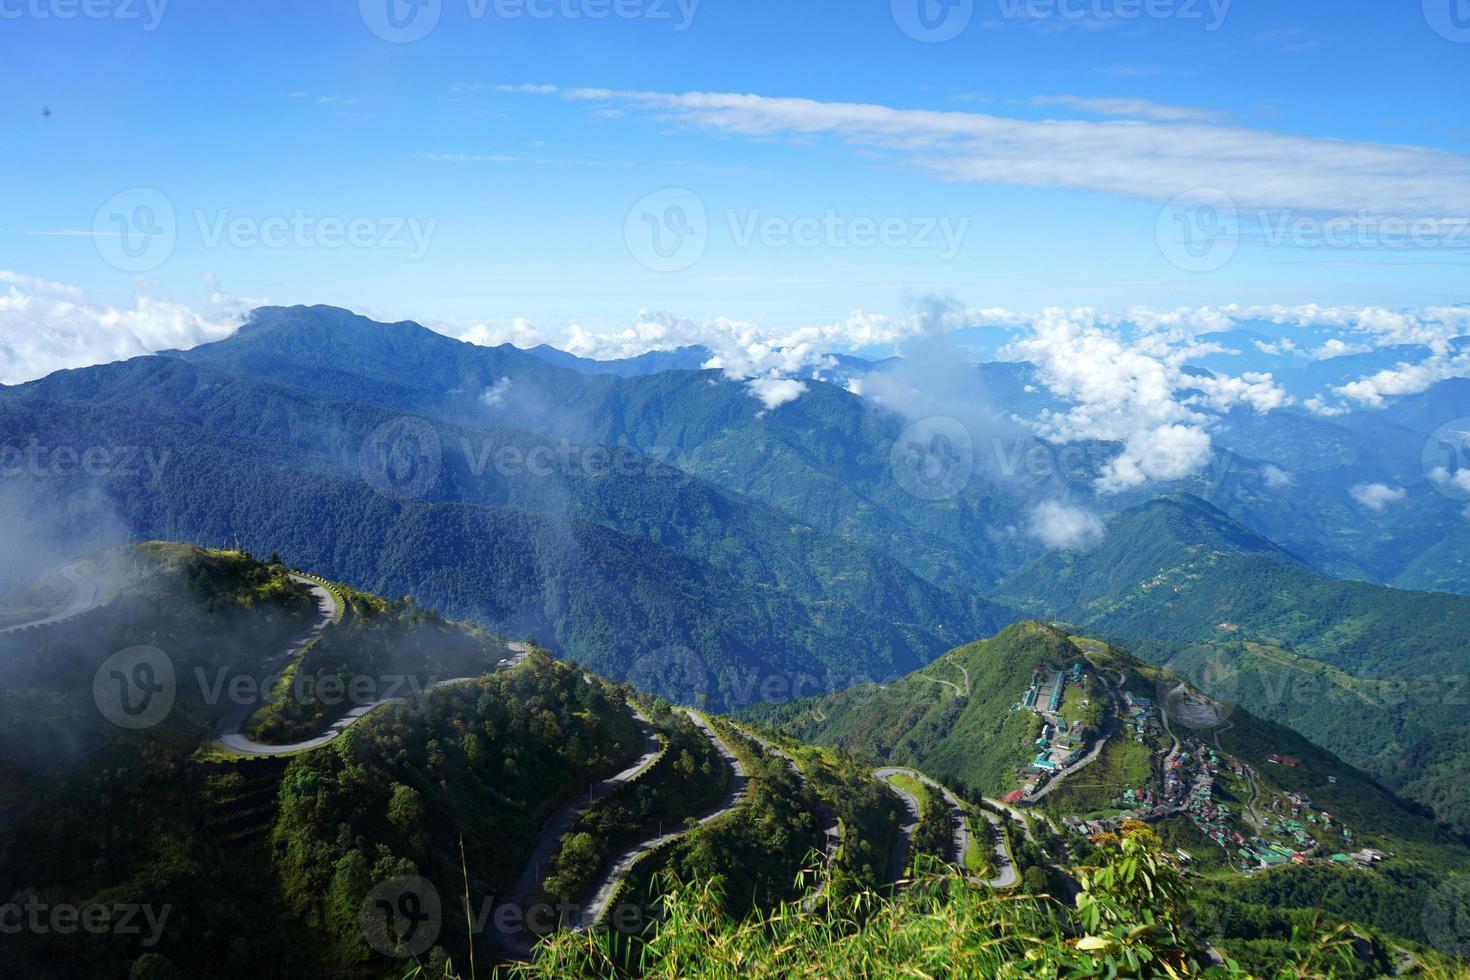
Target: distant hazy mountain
609, 564
682, 359
1177, 568
845, 366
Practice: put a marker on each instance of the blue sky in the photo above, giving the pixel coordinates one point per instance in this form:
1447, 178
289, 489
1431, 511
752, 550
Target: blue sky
480, 200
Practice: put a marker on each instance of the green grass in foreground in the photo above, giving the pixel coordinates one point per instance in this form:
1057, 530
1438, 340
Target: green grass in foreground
1130, 919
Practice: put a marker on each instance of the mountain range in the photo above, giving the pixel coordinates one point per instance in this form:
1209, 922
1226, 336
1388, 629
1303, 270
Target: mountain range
892, 602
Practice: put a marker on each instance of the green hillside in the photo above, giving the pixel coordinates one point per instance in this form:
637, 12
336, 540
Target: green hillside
747, 589
274, 866
980, 744
1178, 569
972, 740
1373, 673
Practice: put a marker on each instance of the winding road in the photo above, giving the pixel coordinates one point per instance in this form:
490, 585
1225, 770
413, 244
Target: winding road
1006, 875
85, 595
229, 732
831, 827
596, 905
518, 941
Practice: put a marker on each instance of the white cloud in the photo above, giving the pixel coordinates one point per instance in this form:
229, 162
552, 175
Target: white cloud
1170, 452
1281, 348
775, 392
324, 100
1142, 159
1318, 406
1127, 108
517, 330
1132, 387
1276, 478
1377, 496
1458, 480
1058, 525
1405, 379
1145, 348
494, 396
1336, 347
49, 326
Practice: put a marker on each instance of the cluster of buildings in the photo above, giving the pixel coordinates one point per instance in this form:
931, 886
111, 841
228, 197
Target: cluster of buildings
1288, 829
1058, 745
1140, 715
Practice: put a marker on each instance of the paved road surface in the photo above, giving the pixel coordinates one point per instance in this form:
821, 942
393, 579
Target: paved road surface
959, 824
521, 943
229, 733
594, 908
898, 858
831, 829
85, 593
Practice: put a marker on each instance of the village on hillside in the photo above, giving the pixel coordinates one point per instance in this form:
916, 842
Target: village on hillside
1225, 800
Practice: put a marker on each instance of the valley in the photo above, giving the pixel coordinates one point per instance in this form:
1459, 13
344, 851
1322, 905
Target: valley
697, 663
634, 796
